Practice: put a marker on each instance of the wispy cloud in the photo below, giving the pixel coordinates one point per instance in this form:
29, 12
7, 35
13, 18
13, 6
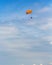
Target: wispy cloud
8, 31
29, 40
44, 9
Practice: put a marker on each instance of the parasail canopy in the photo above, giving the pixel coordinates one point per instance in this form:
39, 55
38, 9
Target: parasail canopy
28, 11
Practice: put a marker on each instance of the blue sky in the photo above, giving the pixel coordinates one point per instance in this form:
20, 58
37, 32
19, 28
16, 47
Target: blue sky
25, 41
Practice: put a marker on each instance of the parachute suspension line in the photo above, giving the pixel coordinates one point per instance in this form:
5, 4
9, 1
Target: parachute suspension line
29, 12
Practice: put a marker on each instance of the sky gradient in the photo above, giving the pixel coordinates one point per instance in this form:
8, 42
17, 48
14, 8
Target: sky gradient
24, 40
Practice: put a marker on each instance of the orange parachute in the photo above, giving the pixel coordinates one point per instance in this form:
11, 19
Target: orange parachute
28, 11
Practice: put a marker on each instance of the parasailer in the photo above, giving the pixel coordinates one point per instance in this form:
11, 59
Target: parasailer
29, 12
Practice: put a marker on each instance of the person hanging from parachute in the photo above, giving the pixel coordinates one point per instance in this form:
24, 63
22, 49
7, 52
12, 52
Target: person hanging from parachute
29, 12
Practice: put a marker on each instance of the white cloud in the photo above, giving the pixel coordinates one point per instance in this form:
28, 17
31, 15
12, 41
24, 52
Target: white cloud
29, 54
31, 22
8, 31
50, 63
50, 19
49, 38
41, 64
44, 9
51, 43
47, 25
22, 64
34, 64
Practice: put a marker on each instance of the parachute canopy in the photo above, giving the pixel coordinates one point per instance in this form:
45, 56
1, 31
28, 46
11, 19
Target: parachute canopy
28, 11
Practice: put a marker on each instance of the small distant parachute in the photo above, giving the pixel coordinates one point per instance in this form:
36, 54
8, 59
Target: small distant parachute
29, 12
